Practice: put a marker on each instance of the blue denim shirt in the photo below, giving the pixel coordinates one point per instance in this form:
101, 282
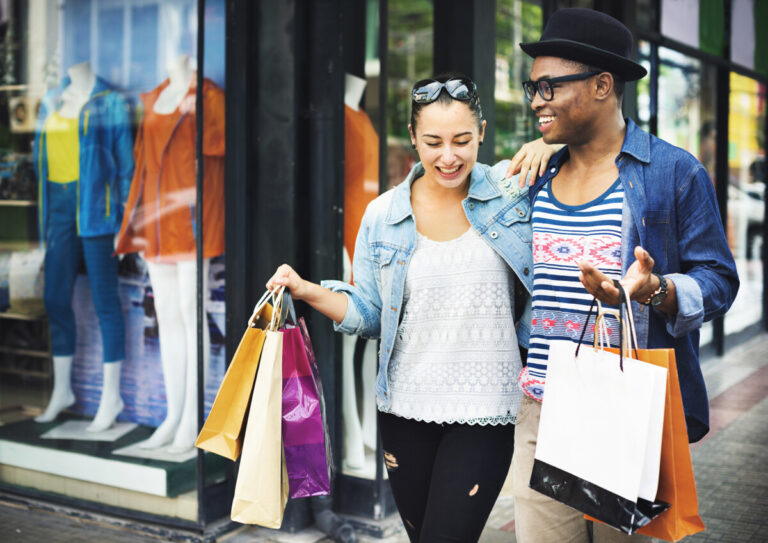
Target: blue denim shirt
670, 210
106, 159
495, 207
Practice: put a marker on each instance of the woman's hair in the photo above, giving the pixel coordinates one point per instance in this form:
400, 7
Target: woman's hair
445, 98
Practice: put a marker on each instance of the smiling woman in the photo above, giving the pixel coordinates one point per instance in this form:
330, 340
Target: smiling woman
438, 262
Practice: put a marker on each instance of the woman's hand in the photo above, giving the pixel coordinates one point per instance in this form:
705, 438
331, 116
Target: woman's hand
532, 158
331, 304
285, 276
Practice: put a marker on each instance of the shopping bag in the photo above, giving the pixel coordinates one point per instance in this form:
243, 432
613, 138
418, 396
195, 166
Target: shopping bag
599, 441
676, 481
222, 432
305, 437
261, 489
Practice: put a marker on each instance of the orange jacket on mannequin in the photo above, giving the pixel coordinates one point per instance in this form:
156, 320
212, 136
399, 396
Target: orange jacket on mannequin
159, 218
361, 172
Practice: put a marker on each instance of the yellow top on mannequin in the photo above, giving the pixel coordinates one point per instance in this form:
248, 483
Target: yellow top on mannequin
63, 148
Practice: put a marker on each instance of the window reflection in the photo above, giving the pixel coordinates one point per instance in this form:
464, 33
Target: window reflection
98, 336
516, 22
746, 197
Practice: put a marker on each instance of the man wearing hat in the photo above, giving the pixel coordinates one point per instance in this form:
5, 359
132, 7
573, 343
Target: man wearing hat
614, 203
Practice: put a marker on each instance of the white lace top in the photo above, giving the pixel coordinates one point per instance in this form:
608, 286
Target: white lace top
456, 357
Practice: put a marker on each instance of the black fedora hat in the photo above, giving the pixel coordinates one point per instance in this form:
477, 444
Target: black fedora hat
590, 37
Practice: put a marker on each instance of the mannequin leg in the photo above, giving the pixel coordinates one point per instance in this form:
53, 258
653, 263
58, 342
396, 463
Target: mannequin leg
187, 295
164, 278
111, 403
354, 454
102, 275
62, 255
62, 395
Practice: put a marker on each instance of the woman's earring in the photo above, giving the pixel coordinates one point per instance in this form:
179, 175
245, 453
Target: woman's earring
481, 142
413, 146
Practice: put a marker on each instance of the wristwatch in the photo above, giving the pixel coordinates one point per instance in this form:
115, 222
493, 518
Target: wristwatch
658, 296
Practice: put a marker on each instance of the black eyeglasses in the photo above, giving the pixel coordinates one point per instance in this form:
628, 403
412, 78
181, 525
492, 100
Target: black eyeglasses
544, 86
459, 88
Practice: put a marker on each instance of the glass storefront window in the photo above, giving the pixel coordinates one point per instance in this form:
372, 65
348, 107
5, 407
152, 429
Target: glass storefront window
410, 58
746, 197
516, 22
686, 104
686, 111
98, 274
646, 15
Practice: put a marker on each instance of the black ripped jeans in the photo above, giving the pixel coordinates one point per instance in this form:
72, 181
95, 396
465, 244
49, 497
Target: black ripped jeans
445, 478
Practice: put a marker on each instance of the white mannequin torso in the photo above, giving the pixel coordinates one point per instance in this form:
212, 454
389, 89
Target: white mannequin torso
78, 92
180, 73
353, 91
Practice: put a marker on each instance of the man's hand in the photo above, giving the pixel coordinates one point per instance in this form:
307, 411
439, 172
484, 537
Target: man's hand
639, 282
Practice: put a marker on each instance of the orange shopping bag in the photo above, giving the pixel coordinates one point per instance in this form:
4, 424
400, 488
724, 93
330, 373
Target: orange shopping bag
222, 432
676, 483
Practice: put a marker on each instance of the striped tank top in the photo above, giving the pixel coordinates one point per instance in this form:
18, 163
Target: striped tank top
564, 235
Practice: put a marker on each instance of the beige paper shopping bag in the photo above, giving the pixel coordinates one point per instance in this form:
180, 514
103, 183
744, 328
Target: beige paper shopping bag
261, 490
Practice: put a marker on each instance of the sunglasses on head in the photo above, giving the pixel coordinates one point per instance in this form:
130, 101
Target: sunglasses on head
545, 88
459, 88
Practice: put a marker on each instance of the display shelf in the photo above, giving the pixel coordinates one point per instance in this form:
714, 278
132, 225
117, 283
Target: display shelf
17, 203
22, 446
17, 360
14, 315
27, 373
24, 352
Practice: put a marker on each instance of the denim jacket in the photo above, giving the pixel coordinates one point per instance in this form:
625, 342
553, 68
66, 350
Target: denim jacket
671, 211
106, 159
495, 207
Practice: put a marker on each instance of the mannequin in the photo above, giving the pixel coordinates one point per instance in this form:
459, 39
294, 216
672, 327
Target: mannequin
180, 73
167, 145
361, 186
72, 199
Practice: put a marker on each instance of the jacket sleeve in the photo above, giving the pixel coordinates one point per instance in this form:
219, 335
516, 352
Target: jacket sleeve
363, 317
37, 158
123, 147
214, 136
707, 282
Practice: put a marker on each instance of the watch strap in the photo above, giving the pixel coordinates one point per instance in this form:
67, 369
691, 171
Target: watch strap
659, 295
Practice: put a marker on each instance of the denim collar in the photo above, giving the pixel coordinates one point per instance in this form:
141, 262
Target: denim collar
637, 144
480, 188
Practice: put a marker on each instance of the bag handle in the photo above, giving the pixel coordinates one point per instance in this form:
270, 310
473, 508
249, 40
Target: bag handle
624, 301
258, 307
289, 309
277, 309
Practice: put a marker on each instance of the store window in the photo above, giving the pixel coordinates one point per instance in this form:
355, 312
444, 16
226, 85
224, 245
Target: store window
746, 197
516, 124
686, 109
685, 113
644, 86
410, 58
98, 255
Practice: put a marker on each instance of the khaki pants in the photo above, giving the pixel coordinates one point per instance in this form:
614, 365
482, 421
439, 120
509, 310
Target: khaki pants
539, 519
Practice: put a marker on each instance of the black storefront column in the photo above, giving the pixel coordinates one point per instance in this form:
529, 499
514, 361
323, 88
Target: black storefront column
322, 172
285, 168
465, 41
264, 226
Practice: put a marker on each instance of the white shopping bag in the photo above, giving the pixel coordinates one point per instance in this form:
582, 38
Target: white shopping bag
603, 424
599, 441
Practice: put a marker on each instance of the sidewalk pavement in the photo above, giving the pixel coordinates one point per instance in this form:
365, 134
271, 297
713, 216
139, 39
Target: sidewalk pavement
730, 464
